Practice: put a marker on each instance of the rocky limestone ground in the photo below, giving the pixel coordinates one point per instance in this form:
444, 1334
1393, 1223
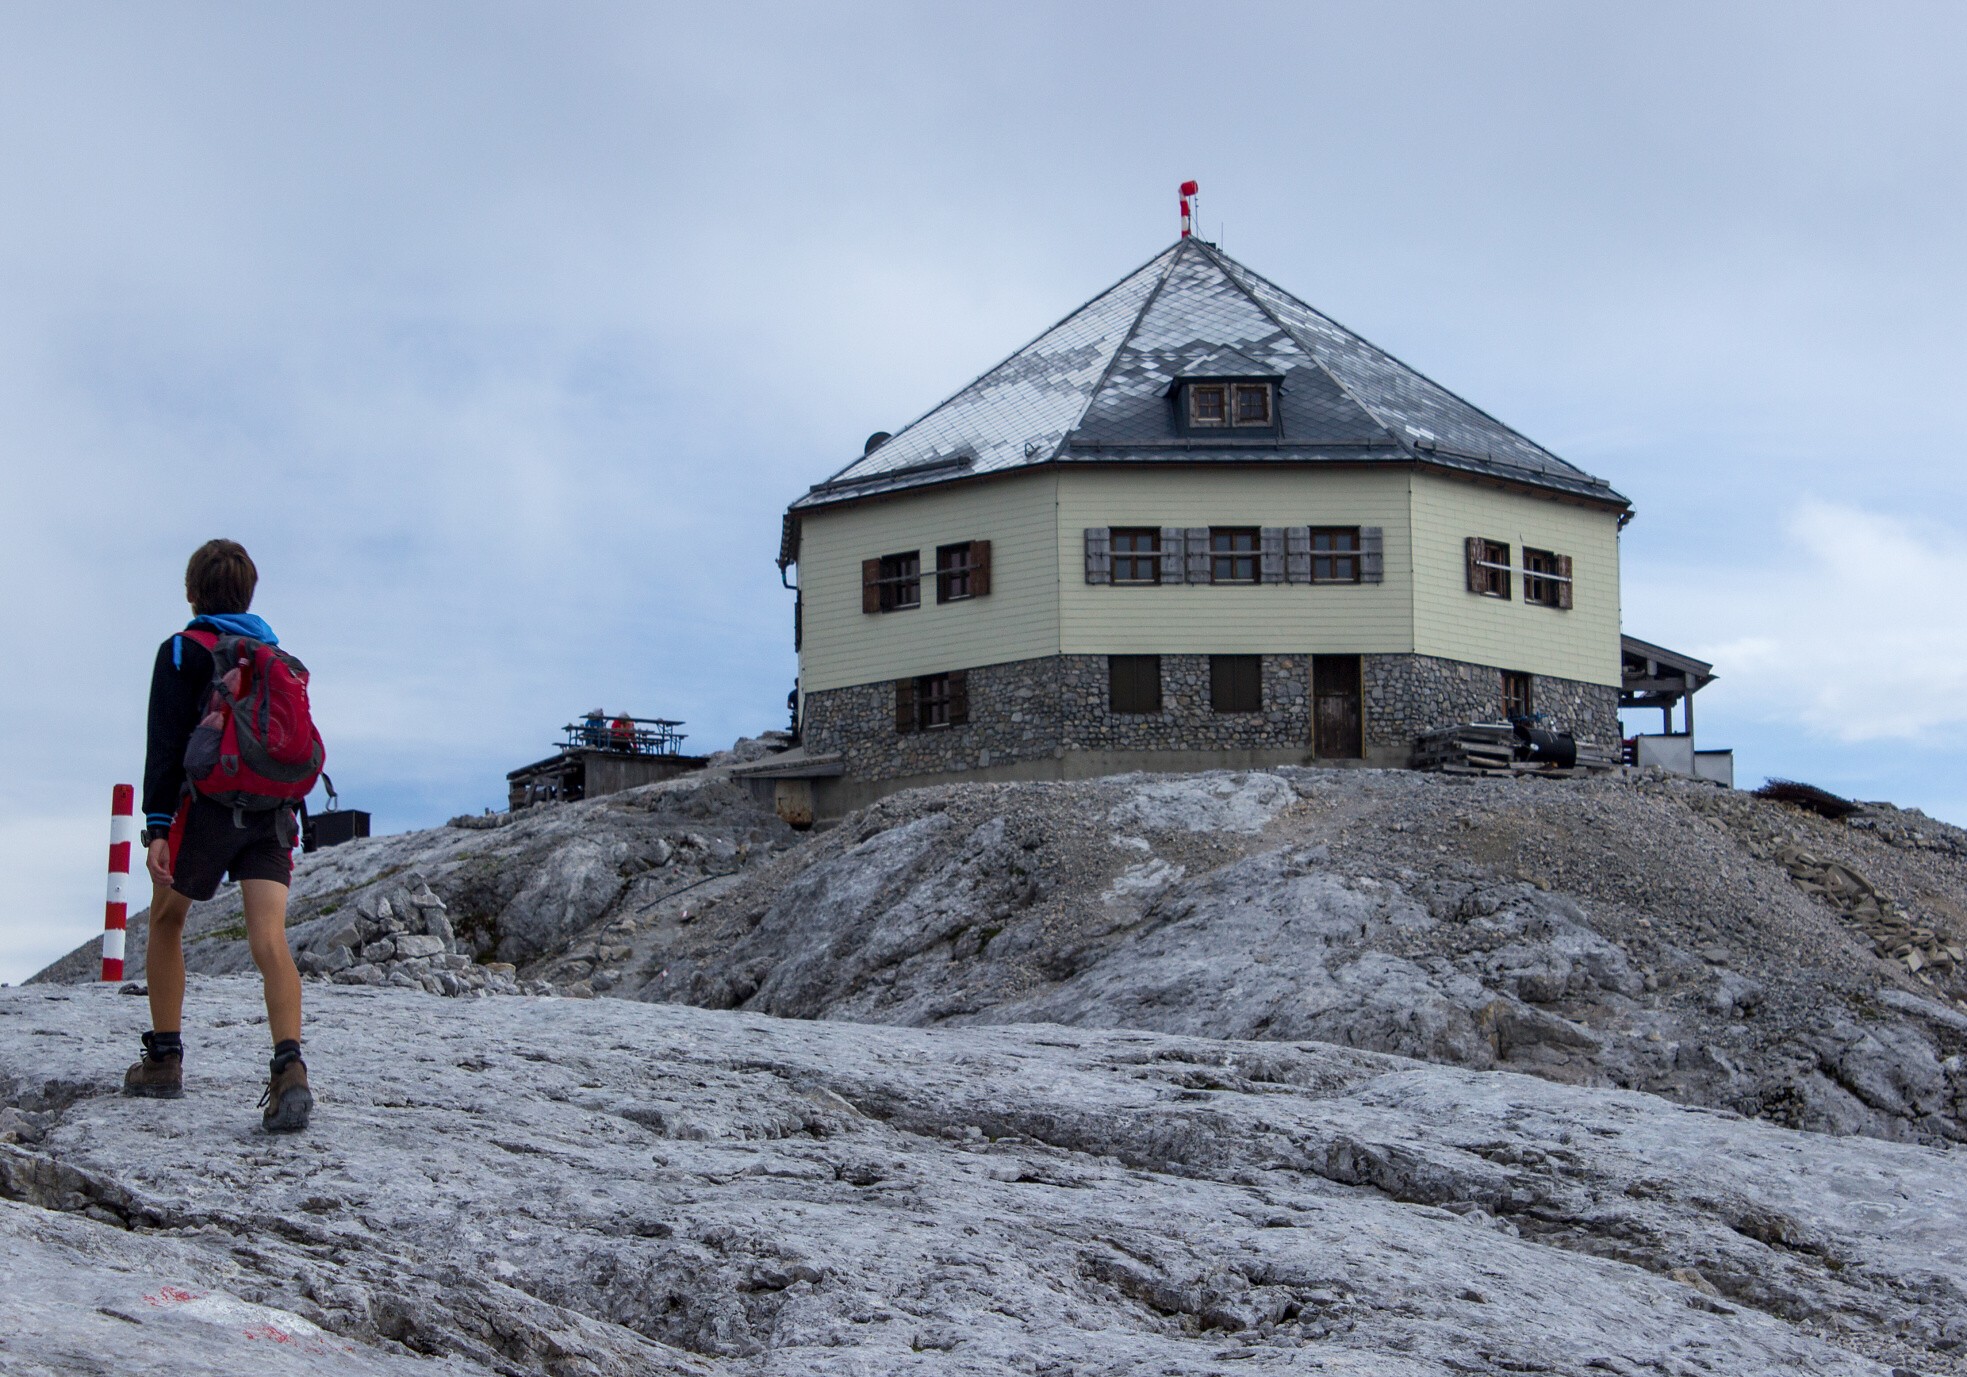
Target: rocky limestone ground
486, 897
1638, 932
595, 1186
1631, 931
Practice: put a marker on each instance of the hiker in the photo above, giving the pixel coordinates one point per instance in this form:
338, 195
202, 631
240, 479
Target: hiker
221, 792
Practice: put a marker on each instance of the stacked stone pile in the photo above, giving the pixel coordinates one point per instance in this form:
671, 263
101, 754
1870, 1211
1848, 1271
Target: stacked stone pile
1893, 932
400, 934
514, 892
1789, 837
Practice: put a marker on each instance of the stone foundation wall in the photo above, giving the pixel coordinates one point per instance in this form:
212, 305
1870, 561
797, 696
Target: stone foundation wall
1037, 709
1410, 694
1014, 715
1186, 722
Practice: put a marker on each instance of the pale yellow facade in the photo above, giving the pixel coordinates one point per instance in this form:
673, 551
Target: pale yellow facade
1449, 621
1267, 618
843, 645
1040, 603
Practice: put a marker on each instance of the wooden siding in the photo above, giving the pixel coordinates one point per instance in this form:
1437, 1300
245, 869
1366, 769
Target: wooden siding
1455, 624
1274, 618
1018, 620
1041, 604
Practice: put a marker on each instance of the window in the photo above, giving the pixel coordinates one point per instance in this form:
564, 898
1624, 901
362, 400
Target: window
1335, 554
1214, 405
1519, 696
930, 702
1233, 554
1133, 683
1546, 578
891, 583
962, 571
1136, 555
1488, 567
1236, 683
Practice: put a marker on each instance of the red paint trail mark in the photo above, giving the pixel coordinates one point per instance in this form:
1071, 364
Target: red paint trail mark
172, 1295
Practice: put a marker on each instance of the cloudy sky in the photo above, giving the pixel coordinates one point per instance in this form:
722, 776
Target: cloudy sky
502, 333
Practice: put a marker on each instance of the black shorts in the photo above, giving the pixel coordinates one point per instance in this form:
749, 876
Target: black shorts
207, 840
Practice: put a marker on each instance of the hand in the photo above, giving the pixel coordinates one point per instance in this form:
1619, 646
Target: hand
157, 860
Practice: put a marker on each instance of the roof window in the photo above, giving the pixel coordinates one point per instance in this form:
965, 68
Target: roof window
1252, 403
1234, 404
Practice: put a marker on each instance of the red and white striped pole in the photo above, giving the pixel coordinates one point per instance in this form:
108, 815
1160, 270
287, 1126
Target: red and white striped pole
116, 912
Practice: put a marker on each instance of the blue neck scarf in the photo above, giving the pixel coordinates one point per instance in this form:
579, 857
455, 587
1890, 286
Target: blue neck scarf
226, 624
237, 624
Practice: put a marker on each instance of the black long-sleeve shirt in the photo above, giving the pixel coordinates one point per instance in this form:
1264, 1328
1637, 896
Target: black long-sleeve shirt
177, 697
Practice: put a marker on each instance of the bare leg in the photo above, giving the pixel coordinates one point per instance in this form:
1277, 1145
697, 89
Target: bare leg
163, 958
266, 934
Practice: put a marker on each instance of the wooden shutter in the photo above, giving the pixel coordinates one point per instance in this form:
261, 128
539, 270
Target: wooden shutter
1270, 561
1297, 554
1133, 683
1196, 540
1564, 588
1174, 564
1099, 555
904, 705
979, 568
1472, 547
1236, 683
959, 697
870, 585
1250, 682
1372, 555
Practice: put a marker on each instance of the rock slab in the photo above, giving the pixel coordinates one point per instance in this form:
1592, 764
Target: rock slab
525, 1185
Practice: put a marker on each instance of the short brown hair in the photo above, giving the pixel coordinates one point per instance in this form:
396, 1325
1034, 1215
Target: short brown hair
220, 578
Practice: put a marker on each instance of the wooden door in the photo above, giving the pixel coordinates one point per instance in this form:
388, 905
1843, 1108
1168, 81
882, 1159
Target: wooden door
1336, 711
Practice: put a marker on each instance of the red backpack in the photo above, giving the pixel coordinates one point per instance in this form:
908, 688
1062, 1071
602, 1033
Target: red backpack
256, 747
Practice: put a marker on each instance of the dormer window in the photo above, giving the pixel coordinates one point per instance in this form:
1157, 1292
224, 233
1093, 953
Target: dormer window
1252, 403
1246, 404
1208, 404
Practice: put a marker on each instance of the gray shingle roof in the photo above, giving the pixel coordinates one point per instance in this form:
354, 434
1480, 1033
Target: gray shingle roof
1093, 389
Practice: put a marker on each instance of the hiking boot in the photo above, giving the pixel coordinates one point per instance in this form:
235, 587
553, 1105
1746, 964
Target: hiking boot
158, 1074
287, 1101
